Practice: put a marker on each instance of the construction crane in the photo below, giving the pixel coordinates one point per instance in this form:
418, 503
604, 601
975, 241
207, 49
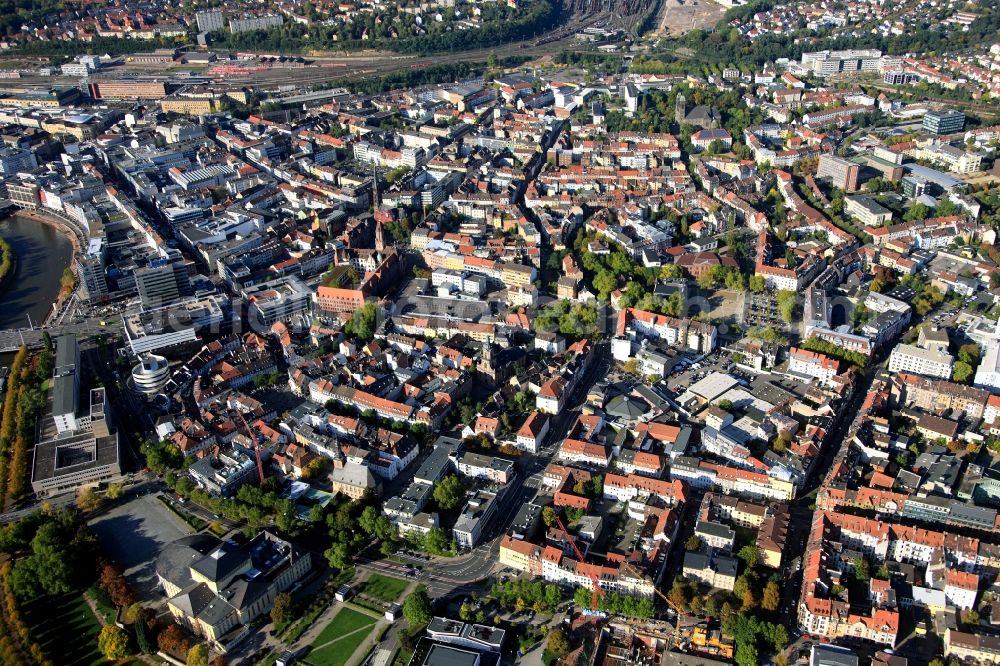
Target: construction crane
579, 556
677, 611
253, 440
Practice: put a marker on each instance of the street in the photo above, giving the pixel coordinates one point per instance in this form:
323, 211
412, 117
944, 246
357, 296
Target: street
444, 575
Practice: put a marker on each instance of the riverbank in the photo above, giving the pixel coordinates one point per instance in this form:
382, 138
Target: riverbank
63, 228
52, 221
8, 262
45, 247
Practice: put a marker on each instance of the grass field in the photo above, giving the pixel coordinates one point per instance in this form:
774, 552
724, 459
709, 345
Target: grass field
337, 642
103, 603
385, 588
66, 629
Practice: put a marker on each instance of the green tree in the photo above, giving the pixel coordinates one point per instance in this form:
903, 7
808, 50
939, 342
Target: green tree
757, 284
862, 570
281, 612
969, 353
549, 516
338, 555
680, 593
362, 322
417, 608
113, 642
749, 555
962, 372
693, 543
742, 585
604, 283
437, 542
142, 637
787, 304
558, 643
48, 569
449, 492
918, 211
367, 519
384, 529
671, 272
553, 595
771, 598
712, 605
161, 456
284, 515
198, 655
970, 617
133, 613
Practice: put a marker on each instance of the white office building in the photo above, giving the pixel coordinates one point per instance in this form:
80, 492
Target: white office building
920, 361
988, 373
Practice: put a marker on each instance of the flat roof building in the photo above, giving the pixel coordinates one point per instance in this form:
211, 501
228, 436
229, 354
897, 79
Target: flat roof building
87, 454
948, 121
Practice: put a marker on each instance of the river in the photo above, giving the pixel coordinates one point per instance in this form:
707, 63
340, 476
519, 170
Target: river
43, 253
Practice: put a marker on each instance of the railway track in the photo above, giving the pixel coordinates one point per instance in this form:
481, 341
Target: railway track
334, 68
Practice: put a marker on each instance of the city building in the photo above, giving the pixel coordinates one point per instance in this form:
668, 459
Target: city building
14, 160
76, 447
150, 374
842, 173
812, 364
927, 362
224, 473
717, 571
480, 510
867, 211
944, 122
278, 300
237, 25
988, 371
163, 281
216, 589
210, 21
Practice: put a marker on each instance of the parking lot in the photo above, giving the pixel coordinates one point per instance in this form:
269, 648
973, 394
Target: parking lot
762, 310
133, 534
688, 373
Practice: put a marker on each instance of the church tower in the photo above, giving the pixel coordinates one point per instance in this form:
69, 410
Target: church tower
680, 108
379, 236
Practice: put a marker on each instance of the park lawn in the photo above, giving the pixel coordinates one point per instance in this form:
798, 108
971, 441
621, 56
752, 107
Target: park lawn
337, 654
344, 622
345, 642
103, 603
65, 628
386, 588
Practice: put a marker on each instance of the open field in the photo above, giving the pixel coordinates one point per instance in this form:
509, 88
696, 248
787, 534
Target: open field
385, 588
344, 622
679, 16
338, 641
66, 629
